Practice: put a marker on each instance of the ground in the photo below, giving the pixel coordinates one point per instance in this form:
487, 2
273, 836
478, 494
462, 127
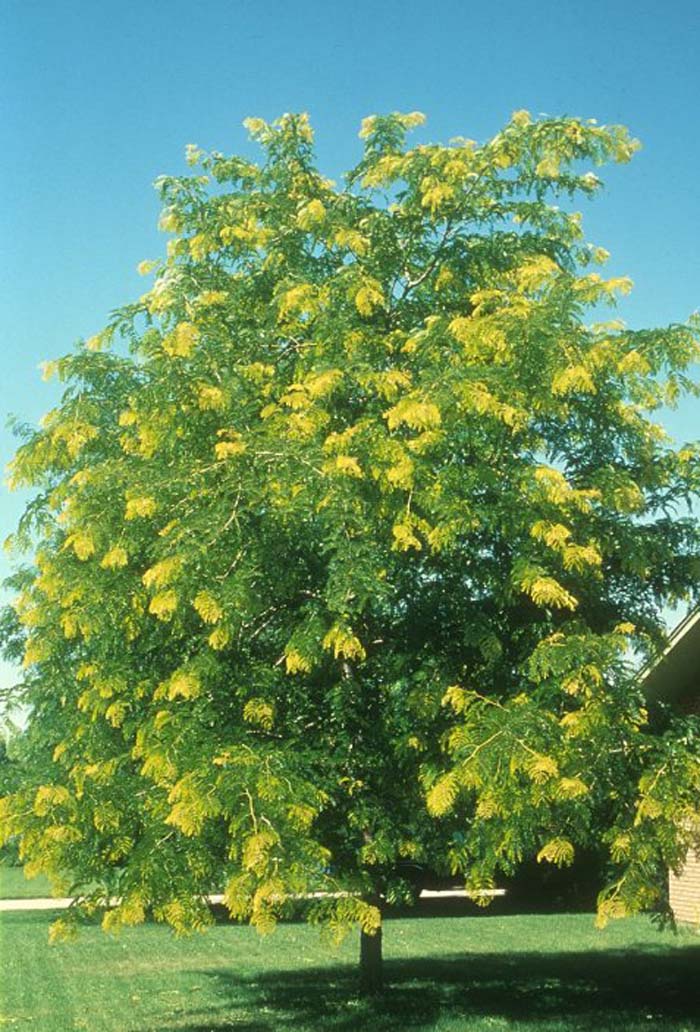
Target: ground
448, 974
13, 884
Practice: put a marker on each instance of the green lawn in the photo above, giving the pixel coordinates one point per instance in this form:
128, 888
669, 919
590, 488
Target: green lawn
452, 974
13, 884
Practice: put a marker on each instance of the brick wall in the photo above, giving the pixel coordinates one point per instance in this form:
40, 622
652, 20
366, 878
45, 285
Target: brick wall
684, 890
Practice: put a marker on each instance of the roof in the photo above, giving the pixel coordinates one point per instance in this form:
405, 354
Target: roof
677, 671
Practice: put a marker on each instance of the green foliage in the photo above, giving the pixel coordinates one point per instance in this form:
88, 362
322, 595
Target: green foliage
341, 533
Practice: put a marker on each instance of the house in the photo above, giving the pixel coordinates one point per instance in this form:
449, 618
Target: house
675, 678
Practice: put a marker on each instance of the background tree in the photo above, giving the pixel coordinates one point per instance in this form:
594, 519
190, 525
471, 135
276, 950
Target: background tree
10, 736
334, 565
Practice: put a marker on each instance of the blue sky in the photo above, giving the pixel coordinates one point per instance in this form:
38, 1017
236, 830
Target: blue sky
100, 98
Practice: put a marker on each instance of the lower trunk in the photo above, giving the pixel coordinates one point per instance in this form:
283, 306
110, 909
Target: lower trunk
371, 963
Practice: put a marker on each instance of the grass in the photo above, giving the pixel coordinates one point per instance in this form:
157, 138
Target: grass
13, 884
447, 974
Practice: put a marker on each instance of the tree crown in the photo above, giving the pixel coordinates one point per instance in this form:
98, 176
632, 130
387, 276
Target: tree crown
337, 553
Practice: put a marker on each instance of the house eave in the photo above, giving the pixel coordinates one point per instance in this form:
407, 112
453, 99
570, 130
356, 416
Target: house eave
676, 672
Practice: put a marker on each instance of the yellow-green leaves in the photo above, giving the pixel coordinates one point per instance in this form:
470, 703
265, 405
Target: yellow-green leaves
572, 788
49, 369
212, 298
321, 384
343, 643
219, 638
414, 412
442, 795
259, 712
573, 379
82, 543
401, 474
208, 607
140, 507
210, 398
553, 486
257, 848
558, 851
73, 435
238, 897
634, 362
295, 662
548, 166
164, 604
182, 341
521, 118
50, 797
367, 127
541, 768
62, 930
130, 911
543, 589
304, 299
457, 698
546, 591
191, 806
351, 239
555, 535
375, 123
115, 558
368, 297
184, 684
200, 246
610, 909
170, 221
162, 573
229, 448
405, 538
311, 214
483, 339
345, 465
581, 558
255, 126
574, 557
435, 194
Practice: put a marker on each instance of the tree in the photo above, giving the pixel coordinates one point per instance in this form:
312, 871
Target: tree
341, 533
10, 774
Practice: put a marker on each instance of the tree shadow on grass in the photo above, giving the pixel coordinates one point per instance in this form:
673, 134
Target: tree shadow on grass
639, 988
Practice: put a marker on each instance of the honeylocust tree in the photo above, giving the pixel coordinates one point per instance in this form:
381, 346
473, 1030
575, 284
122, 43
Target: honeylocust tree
344, 538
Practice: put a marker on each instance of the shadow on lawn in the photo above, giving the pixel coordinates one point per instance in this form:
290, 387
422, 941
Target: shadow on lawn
640, 988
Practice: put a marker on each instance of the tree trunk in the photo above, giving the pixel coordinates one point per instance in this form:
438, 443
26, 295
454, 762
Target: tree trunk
371, 962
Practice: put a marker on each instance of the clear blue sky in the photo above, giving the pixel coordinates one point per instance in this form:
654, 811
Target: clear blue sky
100, 97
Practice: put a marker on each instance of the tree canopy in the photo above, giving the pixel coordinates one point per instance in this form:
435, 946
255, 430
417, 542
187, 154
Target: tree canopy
347, 537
